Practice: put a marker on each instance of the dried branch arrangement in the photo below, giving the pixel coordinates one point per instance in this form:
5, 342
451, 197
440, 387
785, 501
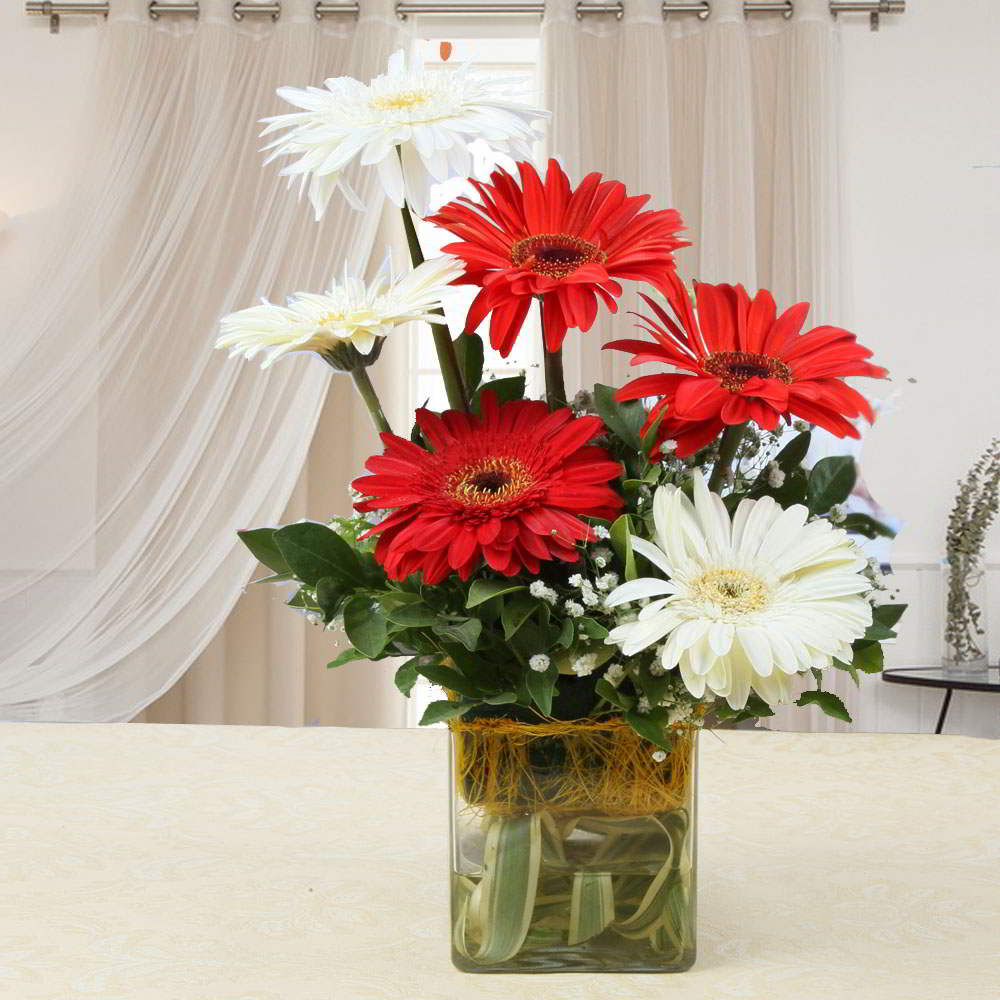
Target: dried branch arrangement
976, 506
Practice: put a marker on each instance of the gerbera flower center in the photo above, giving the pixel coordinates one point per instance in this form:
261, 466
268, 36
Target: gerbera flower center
400, 101
489, 481
555, 254
735, 368
735, 591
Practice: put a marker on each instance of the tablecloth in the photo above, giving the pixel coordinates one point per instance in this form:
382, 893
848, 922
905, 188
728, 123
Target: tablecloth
232, 863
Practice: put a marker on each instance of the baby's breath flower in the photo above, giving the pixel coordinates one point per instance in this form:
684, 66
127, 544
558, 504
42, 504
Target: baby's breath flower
539, 662
775, 476
681, 713
573, 609
607, 582
659, 756
838, 514
644, 706
576, 580
589, 596
615, 674
539, 590
585, 665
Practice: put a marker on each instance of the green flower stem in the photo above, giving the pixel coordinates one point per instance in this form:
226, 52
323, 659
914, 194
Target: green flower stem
443, 344
555, 381
367, 392
728, 446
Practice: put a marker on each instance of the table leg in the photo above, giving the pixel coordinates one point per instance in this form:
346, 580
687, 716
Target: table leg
944, 710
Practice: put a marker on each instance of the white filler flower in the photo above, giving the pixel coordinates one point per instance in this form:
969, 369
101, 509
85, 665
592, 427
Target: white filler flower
750, 601
430, 115
350, 313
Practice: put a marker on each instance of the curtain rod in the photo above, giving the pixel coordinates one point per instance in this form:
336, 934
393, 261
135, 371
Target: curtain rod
241, 8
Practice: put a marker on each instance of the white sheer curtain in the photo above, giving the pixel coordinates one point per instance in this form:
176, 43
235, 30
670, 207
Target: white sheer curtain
732, 121
132, 451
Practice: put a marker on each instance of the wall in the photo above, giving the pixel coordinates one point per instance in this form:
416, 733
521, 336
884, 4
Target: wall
922, 159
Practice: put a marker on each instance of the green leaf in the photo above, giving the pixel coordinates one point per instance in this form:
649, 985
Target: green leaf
260, 541
828, 702
469, 351
601, 652
542, 686
868, 657
484, 590
651, 726
849, 668
329, 593
448, 678
567, 634
792, 491
830, 482
755, 708
276, 578
465, 632
494, 930
516, 612
438, 711
505, 389
592, 905
313, 551
504, 698
648, 440
888, 614
621, 542
792, 455
591, 628
624, 420
413, 615
347, 656
416, 434
877, 632
303, 598
610, 693
365, 626
862, 524
407, 674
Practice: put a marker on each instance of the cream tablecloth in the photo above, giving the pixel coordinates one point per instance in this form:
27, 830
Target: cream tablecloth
214, 863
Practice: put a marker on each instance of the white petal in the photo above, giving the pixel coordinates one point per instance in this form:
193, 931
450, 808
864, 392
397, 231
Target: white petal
633, 590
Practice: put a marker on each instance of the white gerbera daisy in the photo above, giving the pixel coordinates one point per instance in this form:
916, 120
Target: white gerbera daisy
750, 601
430, 115
349, 315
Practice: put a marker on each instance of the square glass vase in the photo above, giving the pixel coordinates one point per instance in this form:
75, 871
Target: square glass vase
572, 848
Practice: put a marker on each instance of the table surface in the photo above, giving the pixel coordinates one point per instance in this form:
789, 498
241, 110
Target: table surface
985, 680
231, 863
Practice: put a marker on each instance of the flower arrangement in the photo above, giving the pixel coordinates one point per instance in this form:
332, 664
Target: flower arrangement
590, 578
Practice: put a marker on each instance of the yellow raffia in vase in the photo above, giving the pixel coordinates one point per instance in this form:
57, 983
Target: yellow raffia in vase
576, 767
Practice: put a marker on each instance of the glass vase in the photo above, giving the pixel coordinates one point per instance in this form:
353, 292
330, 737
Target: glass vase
572, 848
965, 641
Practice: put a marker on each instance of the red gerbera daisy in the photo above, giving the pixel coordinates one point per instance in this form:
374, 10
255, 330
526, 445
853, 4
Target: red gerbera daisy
548, 240
745, 363
509, 486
